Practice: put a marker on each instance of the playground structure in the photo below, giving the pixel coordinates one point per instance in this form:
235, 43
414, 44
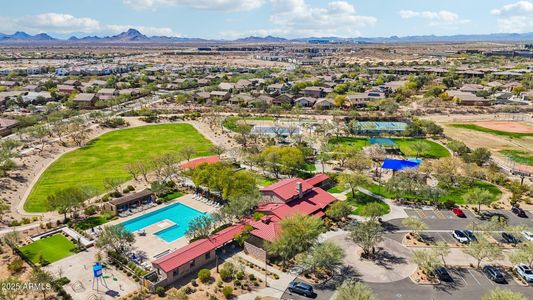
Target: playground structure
98, 276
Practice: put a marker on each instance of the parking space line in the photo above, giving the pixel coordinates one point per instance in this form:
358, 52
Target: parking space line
486, 277
439, 214
479, 283
420, 213
442, 237
462, 277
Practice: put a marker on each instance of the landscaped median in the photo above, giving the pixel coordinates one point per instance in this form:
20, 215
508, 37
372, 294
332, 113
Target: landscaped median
107, 157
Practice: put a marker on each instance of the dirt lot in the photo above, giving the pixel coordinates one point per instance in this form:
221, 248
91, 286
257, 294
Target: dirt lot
515, 127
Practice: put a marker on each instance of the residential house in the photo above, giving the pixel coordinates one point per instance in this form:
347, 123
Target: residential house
106, 94
472, 88
34, 97
284, 99
277, 88
305, 101
67, 89
220, 95
7, 126
226, 86
468, 99
324, 104
85, 100
31, 88
314, 91
244, 85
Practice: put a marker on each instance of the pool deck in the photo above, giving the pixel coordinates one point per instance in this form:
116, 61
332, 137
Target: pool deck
150, 243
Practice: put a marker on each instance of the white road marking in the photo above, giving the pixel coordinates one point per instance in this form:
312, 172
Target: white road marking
473, 276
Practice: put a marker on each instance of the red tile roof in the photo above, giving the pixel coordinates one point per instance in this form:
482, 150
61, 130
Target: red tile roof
193, 163
312, 203
317, 179
286, 188
197, 248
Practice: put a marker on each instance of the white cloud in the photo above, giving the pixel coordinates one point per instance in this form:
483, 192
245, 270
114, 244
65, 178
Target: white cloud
223, 5
65, 24
515, 17
296, 18
519, 7
443, 18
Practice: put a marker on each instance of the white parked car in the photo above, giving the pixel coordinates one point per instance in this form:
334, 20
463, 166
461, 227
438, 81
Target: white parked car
460, 236
525, 272
528, 235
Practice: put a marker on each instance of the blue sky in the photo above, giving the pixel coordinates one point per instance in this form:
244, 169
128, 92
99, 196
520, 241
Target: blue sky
228, 19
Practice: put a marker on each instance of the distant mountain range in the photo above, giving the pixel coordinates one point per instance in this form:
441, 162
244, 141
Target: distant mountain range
134, 36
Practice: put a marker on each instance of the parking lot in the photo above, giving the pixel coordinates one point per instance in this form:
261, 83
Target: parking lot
467, 284
323, 291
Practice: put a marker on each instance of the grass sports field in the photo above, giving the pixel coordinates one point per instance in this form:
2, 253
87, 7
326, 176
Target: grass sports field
521, 157
491, 131
108, 155
50, 249
434, 150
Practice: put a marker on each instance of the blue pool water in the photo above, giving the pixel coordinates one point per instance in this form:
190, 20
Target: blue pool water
178, 213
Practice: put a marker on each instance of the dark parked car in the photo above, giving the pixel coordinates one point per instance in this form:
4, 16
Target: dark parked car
442, 274
494, 274
301, 288
519, 212
488, 215
470, 235
509, 238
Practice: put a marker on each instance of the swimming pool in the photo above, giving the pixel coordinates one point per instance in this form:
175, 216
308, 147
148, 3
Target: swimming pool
178, 213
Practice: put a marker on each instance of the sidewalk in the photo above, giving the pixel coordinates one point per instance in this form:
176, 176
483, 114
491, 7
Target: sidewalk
276, 287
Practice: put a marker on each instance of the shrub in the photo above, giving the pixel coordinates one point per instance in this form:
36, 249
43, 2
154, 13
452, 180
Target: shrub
240, 275
204, 275
131, 188
15, 266
252, 277
90, 210
193, 282
227, 270
160, 291
227, 291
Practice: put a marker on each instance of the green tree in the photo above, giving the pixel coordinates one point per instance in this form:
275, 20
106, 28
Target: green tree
482, 249
415, 225
7, 154
479, 156
524, 254
503, 294
442, 249
373, 210
115, 238
339, 210
426, 260
367, 235
187, 152
200, 227
353, 181
43, 279
321, 258
352, 290
478, 196
68, 200
298, 233
419, 148
9, 293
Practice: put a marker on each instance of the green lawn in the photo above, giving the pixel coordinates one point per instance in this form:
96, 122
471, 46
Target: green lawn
311, 167
362, 200
336, 189
231, 121
172, 196
491, 131
455, 194
51, 249
521, 157
108, 155
92, 222
265, 181
434, 150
